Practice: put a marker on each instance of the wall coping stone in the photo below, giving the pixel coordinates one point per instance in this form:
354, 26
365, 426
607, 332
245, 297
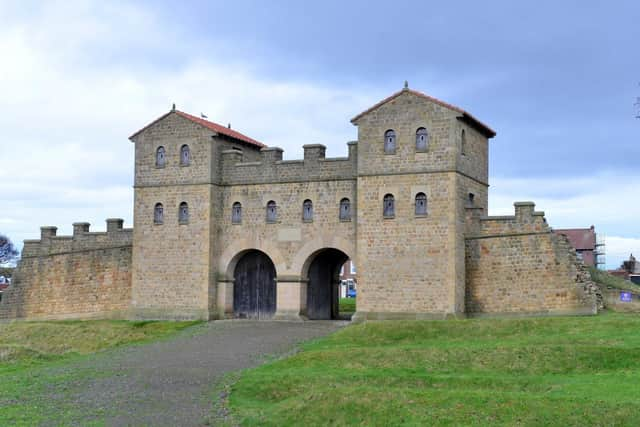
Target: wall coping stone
335, 159
498, 235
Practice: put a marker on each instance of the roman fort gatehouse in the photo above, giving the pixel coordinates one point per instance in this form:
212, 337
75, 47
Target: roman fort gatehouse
225, 228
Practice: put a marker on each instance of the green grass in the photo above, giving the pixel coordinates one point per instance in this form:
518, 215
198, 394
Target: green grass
545, 371
347, 305
608, 280
41, 364
37, 341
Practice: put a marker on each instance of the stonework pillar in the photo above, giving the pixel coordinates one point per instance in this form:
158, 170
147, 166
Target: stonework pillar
225, 299
335, 296
291, 299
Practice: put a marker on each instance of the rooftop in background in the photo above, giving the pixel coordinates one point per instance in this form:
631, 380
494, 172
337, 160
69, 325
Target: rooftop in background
631, 265
580, 238
587, 246
223, 130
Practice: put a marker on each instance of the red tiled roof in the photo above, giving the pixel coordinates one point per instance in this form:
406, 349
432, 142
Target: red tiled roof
465, 115
580, 238
207, 124
619, 273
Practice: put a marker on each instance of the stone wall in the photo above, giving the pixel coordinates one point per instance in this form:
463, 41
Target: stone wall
172, 132
413, 266
238, 168
290, 242
406, 264
451, 261
474, 162
87, 275
515, 265
172, 261
612, 300
172, 273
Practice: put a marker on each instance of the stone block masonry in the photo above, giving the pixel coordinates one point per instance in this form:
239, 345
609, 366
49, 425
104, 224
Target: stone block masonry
87, 275
272, 169
517, 266
224, 227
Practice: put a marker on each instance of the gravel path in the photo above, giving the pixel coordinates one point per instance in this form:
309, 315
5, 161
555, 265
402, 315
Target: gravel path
170, 382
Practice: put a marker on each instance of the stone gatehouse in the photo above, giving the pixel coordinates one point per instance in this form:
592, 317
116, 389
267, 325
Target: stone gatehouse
223, 227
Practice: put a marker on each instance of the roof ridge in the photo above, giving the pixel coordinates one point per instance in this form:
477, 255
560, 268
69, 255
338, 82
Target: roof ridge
220, 128
207, 124
490, 132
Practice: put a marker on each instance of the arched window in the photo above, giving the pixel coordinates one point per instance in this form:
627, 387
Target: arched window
307, 210
421, 204
463, 142
272, 211
389, 206
345, 210
158, 214
422, 139
471, 199
183, 213
160, 157
390, 142
185, 155
236, 213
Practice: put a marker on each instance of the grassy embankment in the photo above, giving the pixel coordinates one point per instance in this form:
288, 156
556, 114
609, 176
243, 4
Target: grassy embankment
35, 356
543, 371
25, 343
610, 281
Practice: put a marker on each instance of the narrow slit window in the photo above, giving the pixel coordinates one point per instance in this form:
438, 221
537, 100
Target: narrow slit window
307, 210
471, 199
422, 139
390, 141
236, 213
160, 157
421, 204
345, 210
185, 155
272, 211
463, 142
183, 213
158, 214
389, 206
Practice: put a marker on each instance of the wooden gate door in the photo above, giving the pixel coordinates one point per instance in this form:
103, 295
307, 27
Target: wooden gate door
322, 290
319, 295
254, 290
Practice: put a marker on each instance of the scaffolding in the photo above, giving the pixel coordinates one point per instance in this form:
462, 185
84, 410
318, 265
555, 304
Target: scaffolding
599, 252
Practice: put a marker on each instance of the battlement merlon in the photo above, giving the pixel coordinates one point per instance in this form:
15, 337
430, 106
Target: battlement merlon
272, 169
526, 220
314, 152
271, 155
81, 240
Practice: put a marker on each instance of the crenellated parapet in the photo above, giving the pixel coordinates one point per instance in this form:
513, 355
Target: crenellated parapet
81, 240
85, 275
272, 169
516, 265
526, 220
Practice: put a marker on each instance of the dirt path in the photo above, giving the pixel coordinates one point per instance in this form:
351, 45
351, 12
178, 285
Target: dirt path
170, 383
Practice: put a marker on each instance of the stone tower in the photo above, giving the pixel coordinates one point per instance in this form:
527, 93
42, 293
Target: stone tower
411, 261
176, 209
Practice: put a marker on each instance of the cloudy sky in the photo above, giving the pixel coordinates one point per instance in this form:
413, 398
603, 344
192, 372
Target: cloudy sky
557, 80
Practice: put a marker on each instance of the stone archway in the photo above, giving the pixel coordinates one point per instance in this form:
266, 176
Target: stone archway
323, 275
254, 286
